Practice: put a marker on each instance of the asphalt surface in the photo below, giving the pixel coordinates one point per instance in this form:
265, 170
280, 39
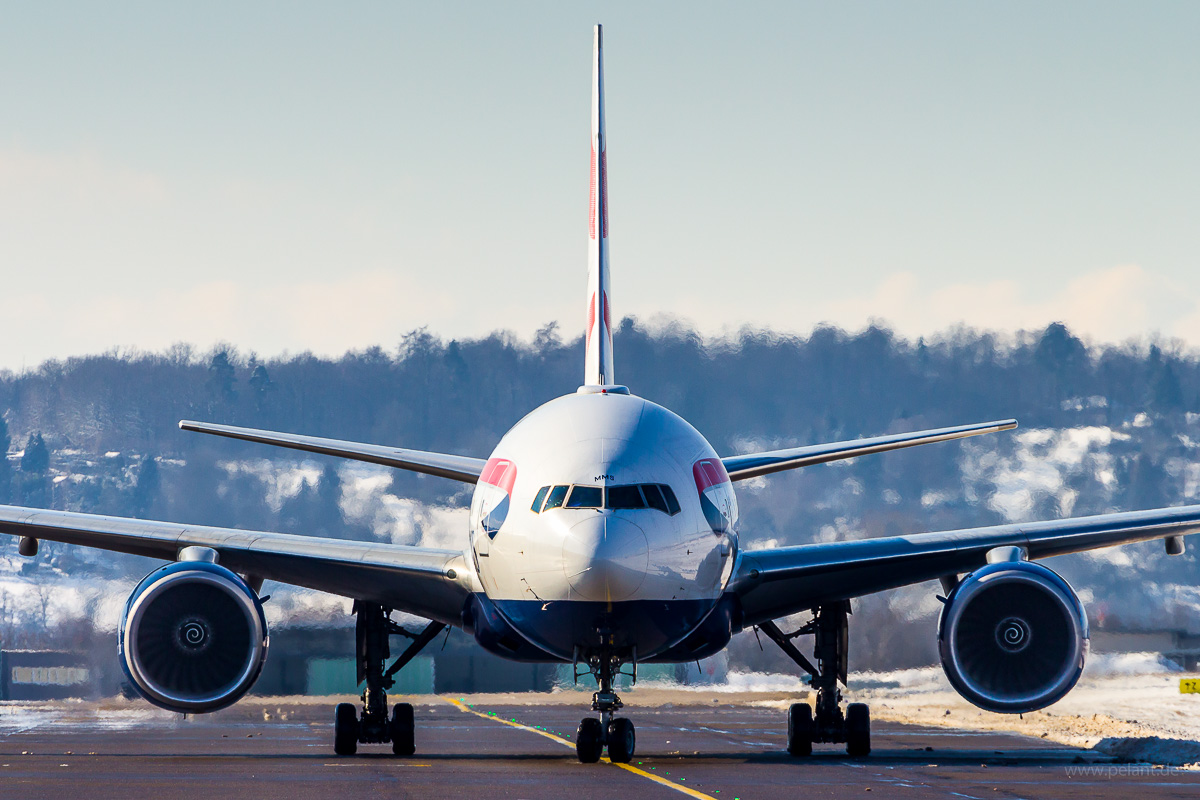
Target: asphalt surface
265, 749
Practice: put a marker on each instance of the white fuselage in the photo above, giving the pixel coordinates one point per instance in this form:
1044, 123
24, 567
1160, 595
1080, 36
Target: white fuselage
603, 526
568, 565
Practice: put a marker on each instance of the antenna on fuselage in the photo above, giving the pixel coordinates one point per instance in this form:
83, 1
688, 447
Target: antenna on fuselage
598, 361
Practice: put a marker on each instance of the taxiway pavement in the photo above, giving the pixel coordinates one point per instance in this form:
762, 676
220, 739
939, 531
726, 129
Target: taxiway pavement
269, 749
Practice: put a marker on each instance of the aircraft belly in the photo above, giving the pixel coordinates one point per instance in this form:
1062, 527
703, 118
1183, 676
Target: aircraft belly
650, 626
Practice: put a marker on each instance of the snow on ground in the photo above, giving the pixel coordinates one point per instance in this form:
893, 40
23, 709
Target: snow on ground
112, 715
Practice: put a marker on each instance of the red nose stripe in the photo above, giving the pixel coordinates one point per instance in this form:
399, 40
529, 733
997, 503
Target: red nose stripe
499, 472
709, 472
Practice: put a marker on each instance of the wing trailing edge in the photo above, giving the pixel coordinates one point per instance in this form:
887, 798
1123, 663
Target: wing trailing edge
458, 468
753, 465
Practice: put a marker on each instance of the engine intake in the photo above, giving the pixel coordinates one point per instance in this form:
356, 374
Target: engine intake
193, 637
1013, 637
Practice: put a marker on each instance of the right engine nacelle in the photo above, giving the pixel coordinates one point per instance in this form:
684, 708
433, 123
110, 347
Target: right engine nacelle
1013, 637
193, 637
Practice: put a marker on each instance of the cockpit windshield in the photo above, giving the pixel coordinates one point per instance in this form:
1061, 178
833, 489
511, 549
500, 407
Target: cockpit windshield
656, 496
625, 497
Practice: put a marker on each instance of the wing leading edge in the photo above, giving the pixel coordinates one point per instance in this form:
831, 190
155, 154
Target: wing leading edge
777, 582
458, 468
753, 465
430, 583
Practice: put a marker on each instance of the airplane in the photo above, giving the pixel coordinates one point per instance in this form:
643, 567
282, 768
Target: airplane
603, 533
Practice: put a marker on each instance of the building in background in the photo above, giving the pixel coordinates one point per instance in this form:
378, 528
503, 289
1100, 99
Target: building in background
46, 675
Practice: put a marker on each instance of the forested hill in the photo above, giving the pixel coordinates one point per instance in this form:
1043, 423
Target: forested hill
461, 396
1102, 428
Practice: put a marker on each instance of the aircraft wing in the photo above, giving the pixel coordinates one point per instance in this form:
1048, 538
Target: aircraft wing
780, 581
752, 465
459, 468
430, 583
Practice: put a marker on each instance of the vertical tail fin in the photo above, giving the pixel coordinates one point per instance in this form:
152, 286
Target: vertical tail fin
598, 364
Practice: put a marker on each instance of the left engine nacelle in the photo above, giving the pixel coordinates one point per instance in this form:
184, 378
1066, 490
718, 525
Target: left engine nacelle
193, 637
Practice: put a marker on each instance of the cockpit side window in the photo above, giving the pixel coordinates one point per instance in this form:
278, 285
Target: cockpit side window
557, 495
672, 502
654, 497
621, 497
585, 497
539, 499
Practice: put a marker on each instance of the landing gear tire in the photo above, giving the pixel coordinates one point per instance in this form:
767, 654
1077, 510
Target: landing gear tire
801, 730
401, 729
345, 729
589, 740
621, 740
858, 730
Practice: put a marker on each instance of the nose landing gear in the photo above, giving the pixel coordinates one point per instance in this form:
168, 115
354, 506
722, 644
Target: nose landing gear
617, 733
829, 628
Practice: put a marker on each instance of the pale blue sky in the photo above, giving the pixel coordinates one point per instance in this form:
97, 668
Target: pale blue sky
300, 176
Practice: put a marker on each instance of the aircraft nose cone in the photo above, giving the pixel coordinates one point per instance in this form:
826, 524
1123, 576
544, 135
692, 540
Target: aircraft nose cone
605, 558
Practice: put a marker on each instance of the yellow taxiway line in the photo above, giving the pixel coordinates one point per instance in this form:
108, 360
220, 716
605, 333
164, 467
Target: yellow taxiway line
690, 792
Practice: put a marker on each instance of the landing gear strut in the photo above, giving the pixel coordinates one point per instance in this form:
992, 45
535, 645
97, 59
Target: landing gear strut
829, 628
373, 630
616, 733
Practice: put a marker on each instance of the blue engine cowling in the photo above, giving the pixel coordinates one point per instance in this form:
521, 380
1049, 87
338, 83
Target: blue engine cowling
1013, 637
193, 637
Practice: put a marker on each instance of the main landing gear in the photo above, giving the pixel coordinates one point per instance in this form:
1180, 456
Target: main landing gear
614, 732
373, 630
829, 627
